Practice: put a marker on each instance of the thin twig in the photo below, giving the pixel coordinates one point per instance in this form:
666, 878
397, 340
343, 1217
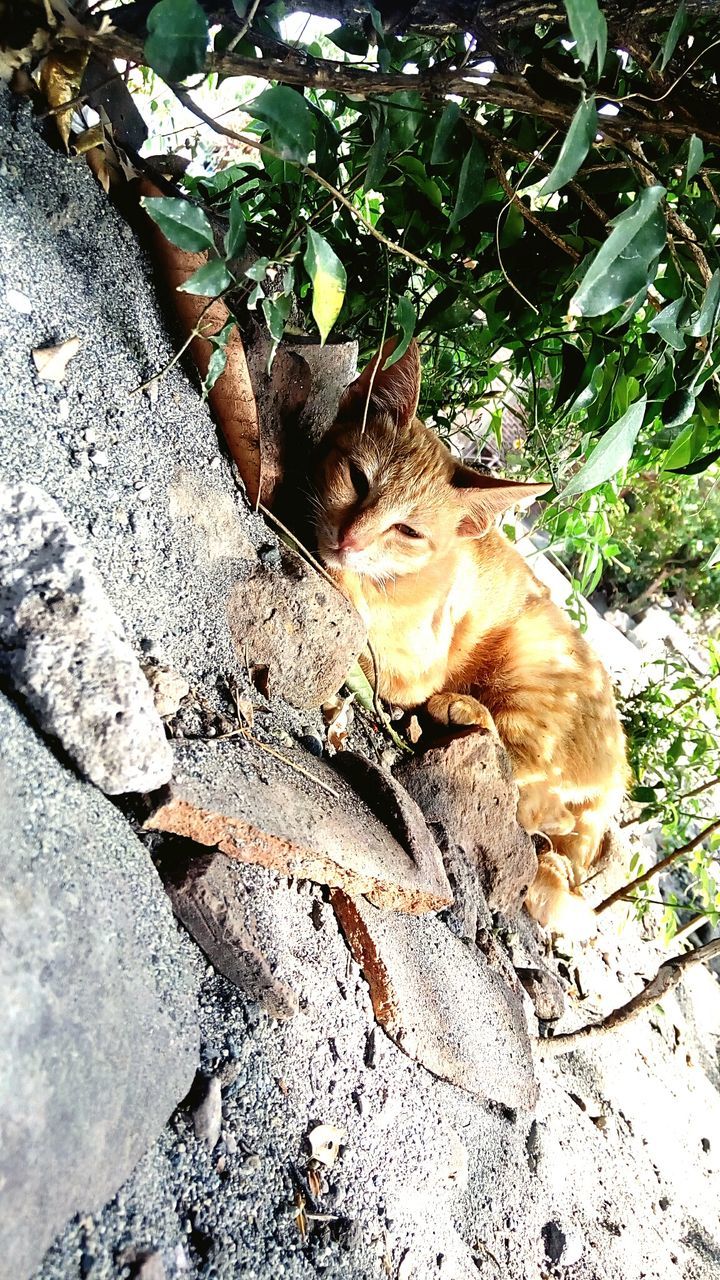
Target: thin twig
196, 332
264, 149
667, 977
292, 764
528, 215
245, 27
659, 866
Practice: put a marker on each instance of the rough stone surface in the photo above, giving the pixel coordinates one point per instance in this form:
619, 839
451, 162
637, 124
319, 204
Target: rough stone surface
287, 618
466, 791
99, 1039
143, 479
64, 649
218, 906
442, 1002
300, 819
545, 992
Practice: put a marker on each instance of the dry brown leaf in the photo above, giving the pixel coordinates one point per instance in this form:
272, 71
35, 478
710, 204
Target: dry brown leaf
314, 1183
324, 1141
414, 732
300, 1215
246, 710
337, 714
97, 162
88, 139
51, 362
60, 79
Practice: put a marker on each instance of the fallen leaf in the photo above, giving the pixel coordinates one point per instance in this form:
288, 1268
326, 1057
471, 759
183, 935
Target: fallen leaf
51, 362
414, 732
337, 714
300, 1215
324, 1141
246, 710
314, 1182
60, 79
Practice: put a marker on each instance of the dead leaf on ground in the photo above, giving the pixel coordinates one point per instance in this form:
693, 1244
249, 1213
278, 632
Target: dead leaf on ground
414, 732
314, 1182
300, 1215
60, 79
51, 362
246, 711
324, 1141
338, 716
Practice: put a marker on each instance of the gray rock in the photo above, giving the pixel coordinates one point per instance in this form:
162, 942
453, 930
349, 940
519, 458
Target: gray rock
467, 793
170, 531
98, 1040
445, 1004
64, 649
217, 903
545, 992
207, 1116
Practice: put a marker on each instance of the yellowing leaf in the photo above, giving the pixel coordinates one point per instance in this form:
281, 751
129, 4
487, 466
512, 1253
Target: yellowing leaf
60, 79
51, 362
329, 282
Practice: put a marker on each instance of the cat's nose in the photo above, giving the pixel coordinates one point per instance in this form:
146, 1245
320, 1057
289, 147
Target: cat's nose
348, 542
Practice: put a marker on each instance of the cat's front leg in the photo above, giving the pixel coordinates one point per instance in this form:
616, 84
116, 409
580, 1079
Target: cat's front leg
460, 709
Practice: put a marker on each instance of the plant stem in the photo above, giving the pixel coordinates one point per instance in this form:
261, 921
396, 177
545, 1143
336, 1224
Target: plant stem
659, 866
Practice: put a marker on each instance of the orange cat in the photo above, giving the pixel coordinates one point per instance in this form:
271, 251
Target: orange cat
459, 623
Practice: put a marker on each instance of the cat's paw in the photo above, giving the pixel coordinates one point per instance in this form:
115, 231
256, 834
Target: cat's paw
460, 709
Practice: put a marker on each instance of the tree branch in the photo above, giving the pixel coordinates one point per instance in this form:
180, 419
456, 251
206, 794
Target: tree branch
659, 866
667, 977
528, 215
509, 91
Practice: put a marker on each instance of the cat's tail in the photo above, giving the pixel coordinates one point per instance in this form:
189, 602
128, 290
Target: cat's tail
555, 903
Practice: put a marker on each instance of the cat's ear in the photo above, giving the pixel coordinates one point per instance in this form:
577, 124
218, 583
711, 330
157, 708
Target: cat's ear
482, 498
394, 391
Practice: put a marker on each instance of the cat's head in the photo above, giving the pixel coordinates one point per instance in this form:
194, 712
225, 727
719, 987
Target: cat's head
389, 496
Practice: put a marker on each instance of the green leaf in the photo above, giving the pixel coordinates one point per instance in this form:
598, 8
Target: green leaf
350, 40
628, 260
405, 320
258, 270
579, 139
218, 359
589, 31
611, 454
470, 184
677, 27
703, 321
696, 156
666, 323
443, 134
678, 408
377, 160
209, 280
357, 683
181, 223
236, 235
177, 39
329, 282
688, 446
276, 312
289, 119
714, 558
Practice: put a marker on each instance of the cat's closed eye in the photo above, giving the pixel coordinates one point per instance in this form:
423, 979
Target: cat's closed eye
359, 480
406, 530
